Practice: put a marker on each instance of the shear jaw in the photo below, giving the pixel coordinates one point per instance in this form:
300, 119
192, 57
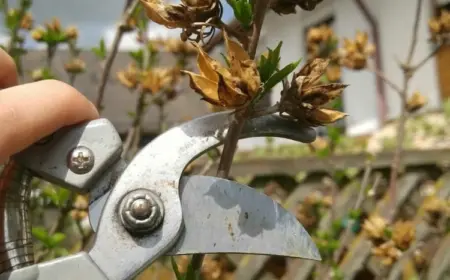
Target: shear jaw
161, 163
129, 237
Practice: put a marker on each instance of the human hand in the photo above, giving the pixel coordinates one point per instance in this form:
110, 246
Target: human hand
29, 112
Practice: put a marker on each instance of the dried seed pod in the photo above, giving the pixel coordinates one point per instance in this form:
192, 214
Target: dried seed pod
288, 6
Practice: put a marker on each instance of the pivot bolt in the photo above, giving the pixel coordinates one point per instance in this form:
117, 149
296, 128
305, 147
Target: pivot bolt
141, 211
81, 160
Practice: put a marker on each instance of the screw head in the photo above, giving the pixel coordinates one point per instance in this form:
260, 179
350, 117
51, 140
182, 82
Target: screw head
81, 160
141, 211
141, 208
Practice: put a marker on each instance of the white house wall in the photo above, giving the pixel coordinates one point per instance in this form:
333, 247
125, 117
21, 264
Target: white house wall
396, 24
360, 97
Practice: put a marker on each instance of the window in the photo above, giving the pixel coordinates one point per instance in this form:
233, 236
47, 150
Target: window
321, 42
442, 59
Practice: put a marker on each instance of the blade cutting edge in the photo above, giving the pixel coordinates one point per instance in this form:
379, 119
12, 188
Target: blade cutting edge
222, 216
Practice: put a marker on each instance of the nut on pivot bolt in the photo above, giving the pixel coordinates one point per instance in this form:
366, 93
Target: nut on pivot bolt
141, 211
81, 160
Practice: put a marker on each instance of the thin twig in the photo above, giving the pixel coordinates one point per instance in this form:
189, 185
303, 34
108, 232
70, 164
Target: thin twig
239, 118
112, 54
401, 130
385, 79
428, 57
16, 28
359, 201
413, 44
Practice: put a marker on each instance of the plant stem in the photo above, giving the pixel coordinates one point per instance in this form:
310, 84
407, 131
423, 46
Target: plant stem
129, 9
15, 30
239, 118
408, 73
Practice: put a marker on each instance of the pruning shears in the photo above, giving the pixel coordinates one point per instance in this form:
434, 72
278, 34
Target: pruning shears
146, 208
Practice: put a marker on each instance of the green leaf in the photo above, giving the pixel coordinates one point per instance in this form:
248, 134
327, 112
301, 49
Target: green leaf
191, 273
280, 75
242, 11
50, 193
334, 133
56, 239
138, 57
175, 269
100, 51
61, 252
131, 114
268, 65
41, 234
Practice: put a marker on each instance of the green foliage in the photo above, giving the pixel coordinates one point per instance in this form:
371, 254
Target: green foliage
57, 195
268, 65
269, 73
191, 274
139, 58
44, 237
100, 51
242, 11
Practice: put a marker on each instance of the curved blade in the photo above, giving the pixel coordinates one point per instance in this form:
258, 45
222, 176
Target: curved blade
222, 216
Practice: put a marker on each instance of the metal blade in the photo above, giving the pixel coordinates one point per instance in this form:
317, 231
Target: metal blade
222, 216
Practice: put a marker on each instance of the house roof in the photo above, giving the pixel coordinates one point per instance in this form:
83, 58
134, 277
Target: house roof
118, 101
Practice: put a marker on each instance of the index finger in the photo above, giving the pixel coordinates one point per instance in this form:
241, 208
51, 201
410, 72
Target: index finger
8, 70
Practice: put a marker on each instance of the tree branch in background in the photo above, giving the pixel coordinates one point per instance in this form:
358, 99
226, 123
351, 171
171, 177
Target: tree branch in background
129, 9
401, 128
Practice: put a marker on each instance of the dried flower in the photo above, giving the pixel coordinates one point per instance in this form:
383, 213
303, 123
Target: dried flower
81, 202
439, 27
356, 52
177, 46
183, 15
71, 33
54, 25
304, 99
38, 34
333, 73
231, 87
129, 77
27, 21
157, 79
387, 252
416, 102
78, 215
435, 208
288, 6
320, 34
75, 66
375, 226
403, 234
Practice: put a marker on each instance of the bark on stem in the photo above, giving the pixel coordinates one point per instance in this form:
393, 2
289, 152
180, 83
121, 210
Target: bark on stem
239, 118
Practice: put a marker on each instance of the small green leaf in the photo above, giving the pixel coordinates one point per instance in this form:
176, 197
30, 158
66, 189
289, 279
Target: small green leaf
40, 233
280, 75
242, 11
50, 193
61, 252
334, 133
268, 65
56, 239
100, 51
131, 114
191, 273
138, 57
175, 269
